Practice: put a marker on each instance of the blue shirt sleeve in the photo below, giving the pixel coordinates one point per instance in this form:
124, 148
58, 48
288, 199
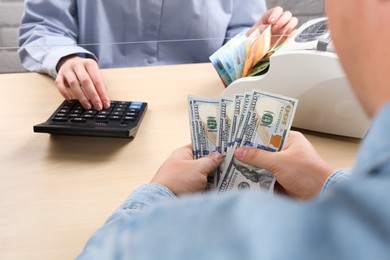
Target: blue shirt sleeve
146, 196
141, 200
333, 179
48, 32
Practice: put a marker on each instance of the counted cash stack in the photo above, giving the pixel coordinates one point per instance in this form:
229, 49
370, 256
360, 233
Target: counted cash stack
244, 56
257, 119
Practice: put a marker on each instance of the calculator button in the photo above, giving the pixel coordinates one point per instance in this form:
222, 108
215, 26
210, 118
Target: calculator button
88, 116
74, 115
78, 120
115, 117
135, 105
134, 114
77, 111
90, 112
117, 113
101, 116
60, 119
104, 112
128, 118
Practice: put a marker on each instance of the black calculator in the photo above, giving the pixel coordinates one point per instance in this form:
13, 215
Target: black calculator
122, 119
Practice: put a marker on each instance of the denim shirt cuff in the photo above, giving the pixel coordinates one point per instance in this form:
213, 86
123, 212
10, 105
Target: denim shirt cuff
335, 177
147, 195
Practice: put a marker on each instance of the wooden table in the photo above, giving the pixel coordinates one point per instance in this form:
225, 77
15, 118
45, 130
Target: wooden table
55, 191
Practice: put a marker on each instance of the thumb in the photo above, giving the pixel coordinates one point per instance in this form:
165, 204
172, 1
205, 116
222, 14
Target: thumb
257, 157
209, 163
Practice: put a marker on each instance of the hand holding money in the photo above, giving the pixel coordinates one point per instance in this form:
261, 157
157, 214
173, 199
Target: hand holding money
298, 168
248, 54
257, 119
182, 175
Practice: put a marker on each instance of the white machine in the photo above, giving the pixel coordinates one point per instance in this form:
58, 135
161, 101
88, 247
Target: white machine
307, 68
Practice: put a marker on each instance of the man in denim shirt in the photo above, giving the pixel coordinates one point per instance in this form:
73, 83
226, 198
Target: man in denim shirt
330, 218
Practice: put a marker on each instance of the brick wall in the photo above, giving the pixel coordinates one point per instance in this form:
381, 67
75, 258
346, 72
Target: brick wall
11, 12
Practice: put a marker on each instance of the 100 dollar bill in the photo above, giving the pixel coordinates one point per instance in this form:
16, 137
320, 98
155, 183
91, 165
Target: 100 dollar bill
203, 114
267, 121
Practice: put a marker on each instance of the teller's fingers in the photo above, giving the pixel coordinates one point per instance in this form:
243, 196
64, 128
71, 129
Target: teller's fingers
87, 86
98, 82
63, 87
290, 27
283, 20
76, 88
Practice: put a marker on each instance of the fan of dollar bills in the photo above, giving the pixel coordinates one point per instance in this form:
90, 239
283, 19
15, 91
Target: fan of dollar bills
244, 56
257, 119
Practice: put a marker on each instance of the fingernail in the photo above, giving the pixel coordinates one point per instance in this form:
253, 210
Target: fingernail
216, 155
99, 106
106, 104
273, 19
88, 106
240, 153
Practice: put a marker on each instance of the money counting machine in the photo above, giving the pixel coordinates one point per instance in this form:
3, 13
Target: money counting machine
306, 67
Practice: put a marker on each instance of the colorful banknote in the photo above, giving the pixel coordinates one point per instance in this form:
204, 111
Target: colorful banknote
258, 45
244, 55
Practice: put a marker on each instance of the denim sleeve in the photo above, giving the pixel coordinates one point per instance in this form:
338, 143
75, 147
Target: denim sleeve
145, 196
141, 200
333, 179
